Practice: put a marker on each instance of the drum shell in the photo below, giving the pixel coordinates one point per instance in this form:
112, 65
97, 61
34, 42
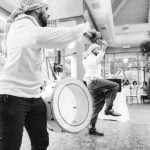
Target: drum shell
47, 96
54, 98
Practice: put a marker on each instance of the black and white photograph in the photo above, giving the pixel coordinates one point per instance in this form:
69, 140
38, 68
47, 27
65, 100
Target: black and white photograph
74, 74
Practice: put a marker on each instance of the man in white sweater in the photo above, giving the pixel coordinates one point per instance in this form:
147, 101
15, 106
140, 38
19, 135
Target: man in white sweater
103, 91
22, 76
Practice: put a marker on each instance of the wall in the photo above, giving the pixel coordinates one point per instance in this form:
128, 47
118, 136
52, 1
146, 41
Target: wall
65, 8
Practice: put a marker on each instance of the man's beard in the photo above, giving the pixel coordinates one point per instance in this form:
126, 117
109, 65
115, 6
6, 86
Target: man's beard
95, 53
43, 20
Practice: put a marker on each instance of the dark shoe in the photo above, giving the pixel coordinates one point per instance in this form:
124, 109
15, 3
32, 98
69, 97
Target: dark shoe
111, 112
94, 132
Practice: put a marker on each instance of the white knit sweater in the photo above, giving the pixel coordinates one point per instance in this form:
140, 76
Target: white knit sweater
23, 74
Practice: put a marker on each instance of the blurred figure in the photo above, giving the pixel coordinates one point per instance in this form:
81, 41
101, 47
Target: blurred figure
125, 82
134, 94
134, 85
102, 91
144, 87
23, 74
144, 91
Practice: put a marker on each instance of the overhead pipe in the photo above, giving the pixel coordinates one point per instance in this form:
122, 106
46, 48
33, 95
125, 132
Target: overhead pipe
101, 10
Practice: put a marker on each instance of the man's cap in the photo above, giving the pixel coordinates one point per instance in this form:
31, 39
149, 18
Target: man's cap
92, 47
27, 5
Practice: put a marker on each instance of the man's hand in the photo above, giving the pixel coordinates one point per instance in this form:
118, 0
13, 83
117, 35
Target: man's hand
103, 42
92, 35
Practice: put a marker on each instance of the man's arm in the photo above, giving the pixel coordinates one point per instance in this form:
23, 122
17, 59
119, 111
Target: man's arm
101, 54
27, 35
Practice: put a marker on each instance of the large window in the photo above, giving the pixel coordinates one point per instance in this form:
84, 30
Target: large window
131, 66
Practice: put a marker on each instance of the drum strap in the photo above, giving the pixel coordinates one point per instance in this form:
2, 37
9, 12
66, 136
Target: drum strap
48, 64
51, 23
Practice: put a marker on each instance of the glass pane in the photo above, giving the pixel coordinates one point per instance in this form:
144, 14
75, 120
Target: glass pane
129, 66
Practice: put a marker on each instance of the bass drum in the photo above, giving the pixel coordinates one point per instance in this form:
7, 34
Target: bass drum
69, 106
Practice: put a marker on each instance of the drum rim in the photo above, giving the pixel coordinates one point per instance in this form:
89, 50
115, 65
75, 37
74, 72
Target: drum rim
58, 117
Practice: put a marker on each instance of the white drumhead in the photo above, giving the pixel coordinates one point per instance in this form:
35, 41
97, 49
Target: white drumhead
72, 105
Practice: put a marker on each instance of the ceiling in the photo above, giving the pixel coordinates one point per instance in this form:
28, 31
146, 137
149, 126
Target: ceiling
130, 11
124, 11
7, 6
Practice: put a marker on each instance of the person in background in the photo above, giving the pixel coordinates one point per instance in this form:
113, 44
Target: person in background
134, 86
144, 91
134, 92
125, 82
102, 91
23, 74
134, 83
145, 87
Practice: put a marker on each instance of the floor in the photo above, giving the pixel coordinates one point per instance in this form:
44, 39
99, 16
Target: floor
131, 135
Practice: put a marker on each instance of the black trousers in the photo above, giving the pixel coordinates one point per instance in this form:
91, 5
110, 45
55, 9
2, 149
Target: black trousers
17, 112
102, 91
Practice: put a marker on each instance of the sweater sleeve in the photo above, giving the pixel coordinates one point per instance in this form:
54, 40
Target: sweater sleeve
101, 54
27, 35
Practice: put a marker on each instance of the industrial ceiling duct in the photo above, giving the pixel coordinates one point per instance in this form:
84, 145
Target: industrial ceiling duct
101, 11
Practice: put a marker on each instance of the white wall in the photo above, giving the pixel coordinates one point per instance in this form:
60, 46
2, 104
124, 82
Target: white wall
65, 8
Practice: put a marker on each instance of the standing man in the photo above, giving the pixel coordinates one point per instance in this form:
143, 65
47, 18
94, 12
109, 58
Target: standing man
102, 91
20, 81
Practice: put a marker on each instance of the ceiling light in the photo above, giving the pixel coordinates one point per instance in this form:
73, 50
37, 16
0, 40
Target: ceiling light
125, 60
72, 45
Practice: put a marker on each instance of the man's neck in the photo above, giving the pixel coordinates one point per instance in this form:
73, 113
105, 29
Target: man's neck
36, 18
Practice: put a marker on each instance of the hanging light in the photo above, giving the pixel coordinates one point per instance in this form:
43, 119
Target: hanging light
125, 60
72, 45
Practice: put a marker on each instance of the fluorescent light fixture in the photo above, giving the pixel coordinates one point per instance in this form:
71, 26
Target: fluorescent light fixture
126, 26
126, 46
125, 60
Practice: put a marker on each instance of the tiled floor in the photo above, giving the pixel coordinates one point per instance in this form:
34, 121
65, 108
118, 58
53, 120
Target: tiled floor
132, 135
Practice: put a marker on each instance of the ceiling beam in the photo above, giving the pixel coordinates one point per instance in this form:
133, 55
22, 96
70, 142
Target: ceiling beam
122, 3
149, 13
4, 11
4, 14
90, 15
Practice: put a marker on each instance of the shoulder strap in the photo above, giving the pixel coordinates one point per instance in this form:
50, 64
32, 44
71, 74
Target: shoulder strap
48, 64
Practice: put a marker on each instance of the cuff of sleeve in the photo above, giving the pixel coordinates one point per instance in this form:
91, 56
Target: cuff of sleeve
80, 29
